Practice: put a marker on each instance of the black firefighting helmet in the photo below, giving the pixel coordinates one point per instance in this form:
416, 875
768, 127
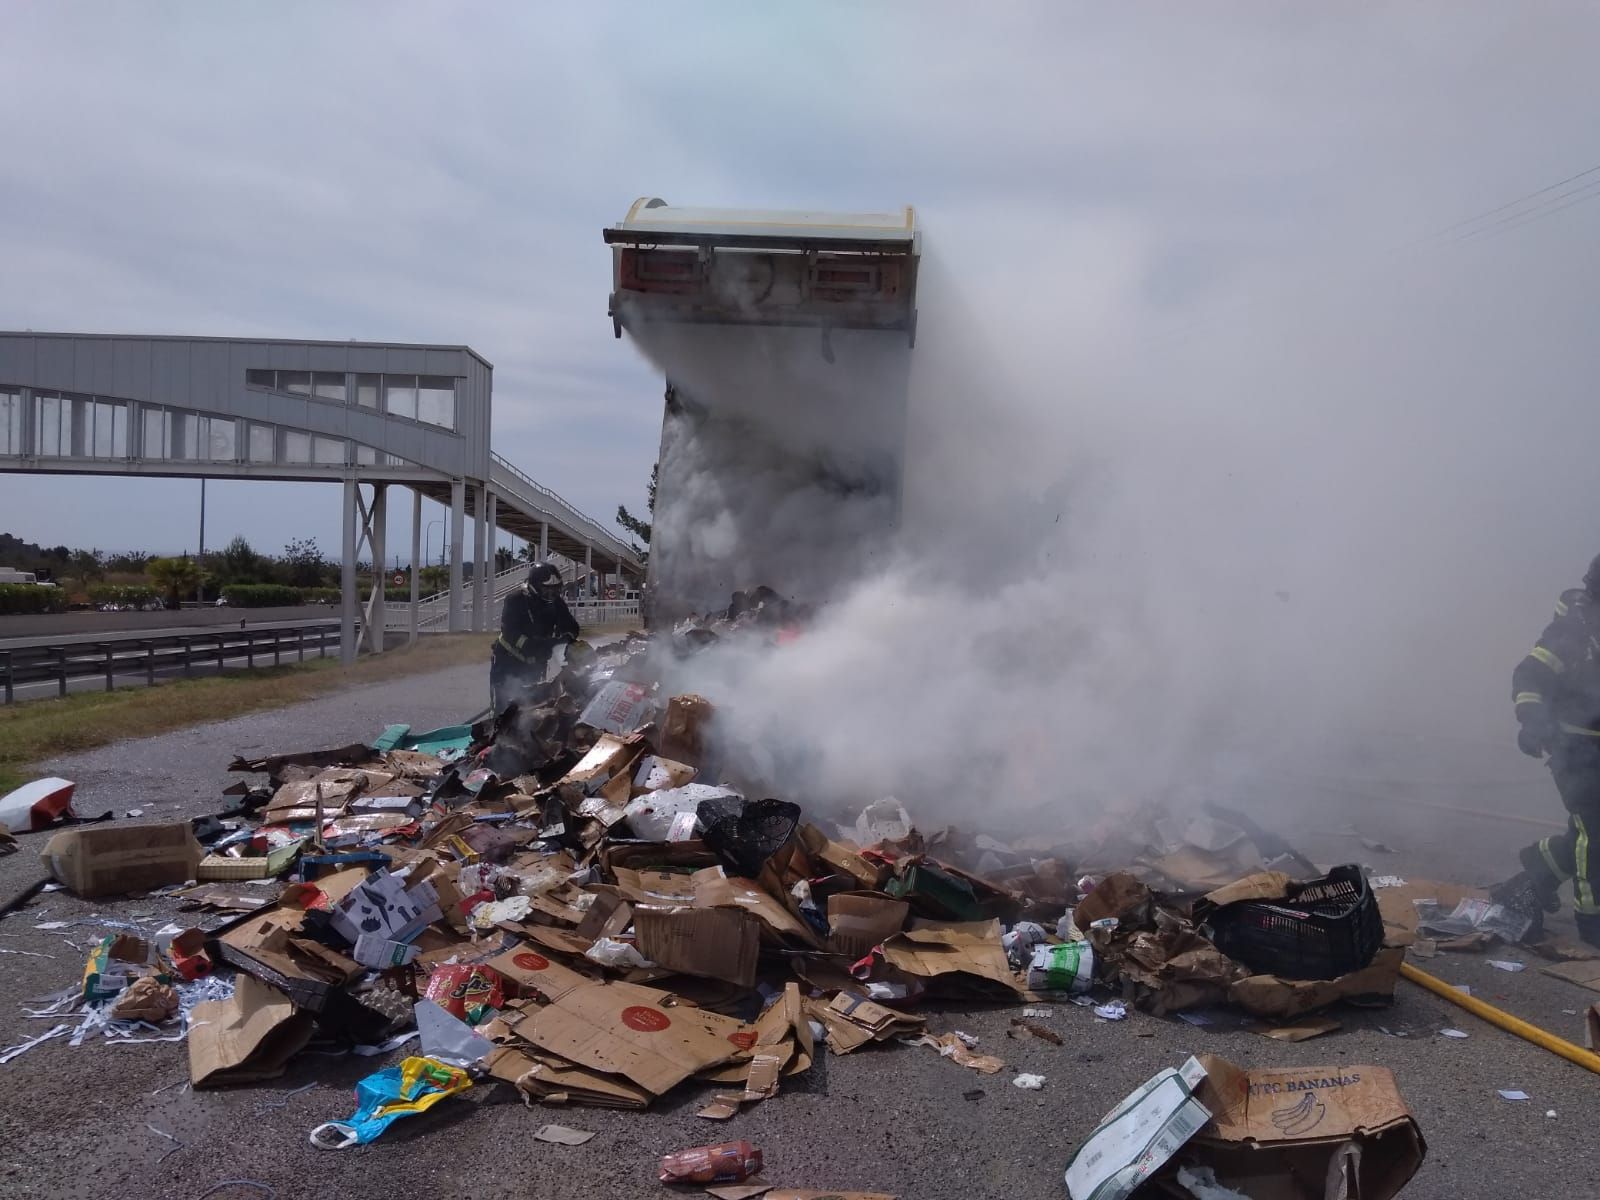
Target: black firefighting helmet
1591, 581
543, 576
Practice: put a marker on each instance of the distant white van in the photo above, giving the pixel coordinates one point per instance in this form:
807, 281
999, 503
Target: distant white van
12, 575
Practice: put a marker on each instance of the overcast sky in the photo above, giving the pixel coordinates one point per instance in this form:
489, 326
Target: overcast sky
441, 173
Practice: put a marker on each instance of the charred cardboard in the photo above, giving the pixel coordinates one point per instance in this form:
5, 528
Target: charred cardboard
858, 921
266, 947
961, 950
275, 764
106, 860
1305, 1133
624, 1029
717, 943
610, 755
250, 1036
655, 773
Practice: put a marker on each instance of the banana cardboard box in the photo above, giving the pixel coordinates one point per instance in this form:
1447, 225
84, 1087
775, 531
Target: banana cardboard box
1304, 1133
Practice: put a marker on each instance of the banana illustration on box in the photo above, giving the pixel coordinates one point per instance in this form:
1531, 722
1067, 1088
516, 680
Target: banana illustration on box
1298, 1118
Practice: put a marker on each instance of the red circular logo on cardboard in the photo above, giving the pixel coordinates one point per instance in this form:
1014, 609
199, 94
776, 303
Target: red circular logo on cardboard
531, 962
743, 1038
645, 1020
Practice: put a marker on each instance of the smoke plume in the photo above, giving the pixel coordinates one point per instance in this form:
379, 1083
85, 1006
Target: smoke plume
1305, 534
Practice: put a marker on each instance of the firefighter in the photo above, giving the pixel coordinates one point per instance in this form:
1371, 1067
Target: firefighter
1556, 693
533, 621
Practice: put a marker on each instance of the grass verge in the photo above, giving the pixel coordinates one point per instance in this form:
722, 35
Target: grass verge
34, 730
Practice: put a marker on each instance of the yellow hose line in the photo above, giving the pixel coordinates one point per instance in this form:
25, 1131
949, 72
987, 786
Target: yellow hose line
1493, 1015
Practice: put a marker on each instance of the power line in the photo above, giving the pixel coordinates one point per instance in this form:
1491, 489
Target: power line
1588, 191
1513, 203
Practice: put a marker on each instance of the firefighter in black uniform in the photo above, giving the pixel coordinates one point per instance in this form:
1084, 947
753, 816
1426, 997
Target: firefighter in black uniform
534, 620
1556, 691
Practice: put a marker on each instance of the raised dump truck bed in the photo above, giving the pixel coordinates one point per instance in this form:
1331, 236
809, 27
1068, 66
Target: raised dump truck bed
756, 267
785, 339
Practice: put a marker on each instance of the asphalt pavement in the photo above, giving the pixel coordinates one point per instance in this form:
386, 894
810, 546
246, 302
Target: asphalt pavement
78, 1121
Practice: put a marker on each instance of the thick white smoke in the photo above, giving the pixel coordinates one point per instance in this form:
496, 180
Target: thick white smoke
1310, 533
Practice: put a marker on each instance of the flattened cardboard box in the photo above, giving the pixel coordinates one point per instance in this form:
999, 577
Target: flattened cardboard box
553, 1080
536, 972
1273, 1132
1270, 996
711, 887
715, 943
931, 949
250, 1036
785, 1030
858, 921
624, 1029
869, 876
107, 860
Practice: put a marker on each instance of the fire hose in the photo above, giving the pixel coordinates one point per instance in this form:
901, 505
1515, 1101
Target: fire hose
1532, 1033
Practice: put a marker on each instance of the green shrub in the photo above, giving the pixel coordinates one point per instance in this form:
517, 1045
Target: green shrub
319, 595
122, 593
31, 598
261, 595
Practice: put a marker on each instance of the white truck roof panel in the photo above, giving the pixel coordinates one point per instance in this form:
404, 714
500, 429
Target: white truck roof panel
649, 215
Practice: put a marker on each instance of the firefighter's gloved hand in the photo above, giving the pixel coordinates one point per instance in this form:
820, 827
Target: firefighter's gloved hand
1533, 741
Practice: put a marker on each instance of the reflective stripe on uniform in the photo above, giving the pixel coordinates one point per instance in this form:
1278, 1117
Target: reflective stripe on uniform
510, 649
1556, 869
1579, 730
1548, 659
1561, 608
1528, 698
1582, 885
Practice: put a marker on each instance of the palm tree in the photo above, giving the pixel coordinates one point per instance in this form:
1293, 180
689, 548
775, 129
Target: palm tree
176, 577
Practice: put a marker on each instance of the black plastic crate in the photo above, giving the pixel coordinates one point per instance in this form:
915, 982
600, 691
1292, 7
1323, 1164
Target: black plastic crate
1322, 929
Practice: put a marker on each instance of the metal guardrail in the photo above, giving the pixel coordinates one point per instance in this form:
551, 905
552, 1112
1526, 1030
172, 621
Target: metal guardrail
612, 542
605, 612
433, 610
84, 658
